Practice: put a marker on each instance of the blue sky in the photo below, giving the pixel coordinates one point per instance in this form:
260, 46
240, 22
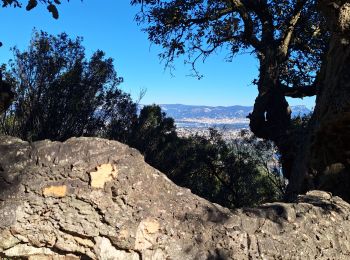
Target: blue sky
109, 25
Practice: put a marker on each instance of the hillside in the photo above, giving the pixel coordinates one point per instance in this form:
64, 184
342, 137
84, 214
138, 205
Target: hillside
228, 117
179, 111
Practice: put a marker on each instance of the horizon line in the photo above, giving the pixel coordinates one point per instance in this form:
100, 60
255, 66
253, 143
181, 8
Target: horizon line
181, 104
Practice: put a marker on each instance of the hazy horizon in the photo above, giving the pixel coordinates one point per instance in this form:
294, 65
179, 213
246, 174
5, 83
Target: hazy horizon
111, 28
160, 104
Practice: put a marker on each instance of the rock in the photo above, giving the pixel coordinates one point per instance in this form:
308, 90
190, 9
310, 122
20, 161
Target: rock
90, 198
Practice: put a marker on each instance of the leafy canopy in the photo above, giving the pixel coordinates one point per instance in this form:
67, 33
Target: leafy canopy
241, 173
30, 4
60, 93
199, 28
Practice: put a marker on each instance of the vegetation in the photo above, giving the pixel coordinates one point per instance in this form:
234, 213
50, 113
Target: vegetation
241, 173
6, 95
297, 43
61, 93
303, 50
287, 37
30, 4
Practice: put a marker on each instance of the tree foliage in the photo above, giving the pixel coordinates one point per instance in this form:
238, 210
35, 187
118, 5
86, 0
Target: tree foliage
241, 173
199, 28
6, 95
153, 132
30, 4
60, 93
289, 39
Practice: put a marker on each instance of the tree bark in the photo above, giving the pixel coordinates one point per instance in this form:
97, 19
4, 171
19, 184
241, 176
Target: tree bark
6, 95
323, 160
271, 116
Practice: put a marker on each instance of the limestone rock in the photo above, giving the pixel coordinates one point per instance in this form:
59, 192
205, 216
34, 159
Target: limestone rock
90, 198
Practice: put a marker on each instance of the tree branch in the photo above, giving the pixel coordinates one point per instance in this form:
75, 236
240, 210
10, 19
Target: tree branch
287, 35
209, 18
236, 6
299, 91
248, 23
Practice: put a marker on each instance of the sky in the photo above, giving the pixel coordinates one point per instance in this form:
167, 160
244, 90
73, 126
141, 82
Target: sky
109, 25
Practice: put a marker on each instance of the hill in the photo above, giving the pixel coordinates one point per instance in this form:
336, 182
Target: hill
228, 117
179, 111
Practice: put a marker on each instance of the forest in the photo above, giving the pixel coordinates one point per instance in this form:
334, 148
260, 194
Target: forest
54, 90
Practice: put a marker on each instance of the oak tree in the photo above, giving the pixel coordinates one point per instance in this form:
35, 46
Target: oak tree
30, 4
289, 38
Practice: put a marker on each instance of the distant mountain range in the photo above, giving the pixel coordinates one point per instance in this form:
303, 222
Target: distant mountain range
178, 111
230, 117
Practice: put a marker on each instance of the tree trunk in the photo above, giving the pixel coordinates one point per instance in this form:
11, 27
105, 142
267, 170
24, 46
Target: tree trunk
6, 95
323, 160
271, 116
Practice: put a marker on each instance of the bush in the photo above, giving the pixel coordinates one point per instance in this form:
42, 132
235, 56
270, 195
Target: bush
242, 173
60, 93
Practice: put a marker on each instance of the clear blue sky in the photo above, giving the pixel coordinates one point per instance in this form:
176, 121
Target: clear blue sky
109, 25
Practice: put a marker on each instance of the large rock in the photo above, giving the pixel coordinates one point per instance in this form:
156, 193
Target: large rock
91, 198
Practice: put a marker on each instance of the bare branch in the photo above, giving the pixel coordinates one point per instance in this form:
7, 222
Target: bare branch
248, 23
209, 18
299, 91
236, 6
287, 36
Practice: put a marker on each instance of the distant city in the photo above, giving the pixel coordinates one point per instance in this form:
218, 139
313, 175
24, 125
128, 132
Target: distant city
229, 120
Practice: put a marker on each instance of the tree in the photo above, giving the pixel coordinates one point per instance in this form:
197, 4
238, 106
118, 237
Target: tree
324, 158
6, 94
232, 175
120, 111
51, 5
290, 39
281, 34
60, 94
153, 134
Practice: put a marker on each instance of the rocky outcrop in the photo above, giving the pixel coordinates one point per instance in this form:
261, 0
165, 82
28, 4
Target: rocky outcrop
91, 198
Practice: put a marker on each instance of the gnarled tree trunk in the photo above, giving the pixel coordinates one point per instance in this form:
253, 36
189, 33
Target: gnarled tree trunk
6, 95
271, 116
324, 156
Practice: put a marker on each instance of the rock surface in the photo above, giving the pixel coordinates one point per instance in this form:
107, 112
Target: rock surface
90, 198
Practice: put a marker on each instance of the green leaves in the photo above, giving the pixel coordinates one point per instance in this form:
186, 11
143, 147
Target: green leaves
60, 93
31, 4
53, 10
231, 174
14, 3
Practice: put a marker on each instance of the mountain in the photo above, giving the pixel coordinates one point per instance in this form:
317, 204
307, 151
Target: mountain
229, 117
179, 111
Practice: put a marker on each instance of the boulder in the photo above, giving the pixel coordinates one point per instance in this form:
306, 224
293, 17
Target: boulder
90, 198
